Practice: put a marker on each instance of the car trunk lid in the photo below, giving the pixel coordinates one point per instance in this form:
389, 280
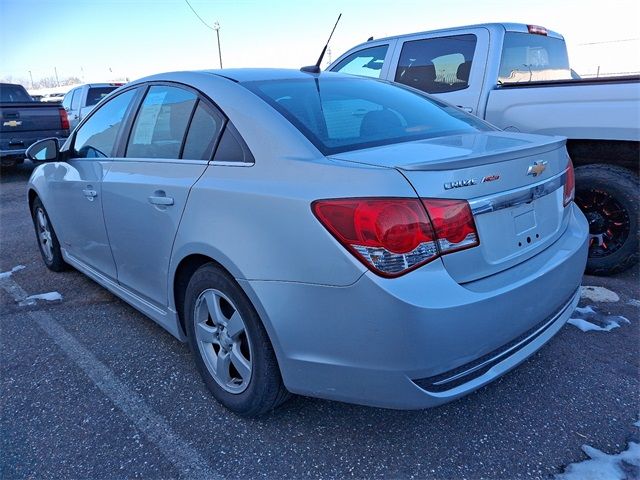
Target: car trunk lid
513, 183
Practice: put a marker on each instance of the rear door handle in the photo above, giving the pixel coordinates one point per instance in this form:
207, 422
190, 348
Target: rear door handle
161, 200
89, 193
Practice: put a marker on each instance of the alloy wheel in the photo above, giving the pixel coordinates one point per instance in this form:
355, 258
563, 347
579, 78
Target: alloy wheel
223, 340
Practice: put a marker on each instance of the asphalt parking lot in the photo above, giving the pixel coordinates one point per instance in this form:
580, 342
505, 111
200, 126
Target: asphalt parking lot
92, 389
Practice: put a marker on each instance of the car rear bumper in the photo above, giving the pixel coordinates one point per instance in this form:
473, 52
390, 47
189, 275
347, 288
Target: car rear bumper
422, 339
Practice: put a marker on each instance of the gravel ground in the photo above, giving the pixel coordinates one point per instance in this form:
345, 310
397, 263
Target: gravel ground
92, 389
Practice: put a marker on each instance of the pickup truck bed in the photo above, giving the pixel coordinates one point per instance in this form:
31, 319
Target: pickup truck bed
23, 123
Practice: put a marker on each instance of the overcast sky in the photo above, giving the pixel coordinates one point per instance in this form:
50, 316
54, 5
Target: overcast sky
98, 40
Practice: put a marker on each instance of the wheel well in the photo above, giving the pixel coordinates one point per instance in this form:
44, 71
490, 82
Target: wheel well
32, 197
186, 268
611, 152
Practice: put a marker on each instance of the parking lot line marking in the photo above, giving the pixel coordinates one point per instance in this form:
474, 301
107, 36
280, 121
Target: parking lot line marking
176, 450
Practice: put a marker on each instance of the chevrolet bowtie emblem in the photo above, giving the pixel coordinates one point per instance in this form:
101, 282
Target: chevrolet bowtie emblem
537, 168
12, 123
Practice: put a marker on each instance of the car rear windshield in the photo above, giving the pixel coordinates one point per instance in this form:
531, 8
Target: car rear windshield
95, 94
13, 94
532, 58
340, 114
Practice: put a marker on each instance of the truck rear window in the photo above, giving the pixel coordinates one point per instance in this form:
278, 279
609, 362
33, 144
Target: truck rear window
13, 94
341, 113
532, 58
95, 94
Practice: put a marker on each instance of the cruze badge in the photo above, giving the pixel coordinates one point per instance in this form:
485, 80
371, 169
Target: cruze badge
470, 181
537, 168
12, 123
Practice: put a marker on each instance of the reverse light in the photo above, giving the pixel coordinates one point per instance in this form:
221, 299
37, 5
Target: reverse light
569, 184
393, 236
537, 30
64, 118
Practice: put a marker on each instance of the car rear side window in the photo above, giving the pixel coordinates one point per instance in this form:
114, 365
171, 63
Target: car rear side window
437, 65
161, 124
203, 133
98, 136
366, 63
95, 94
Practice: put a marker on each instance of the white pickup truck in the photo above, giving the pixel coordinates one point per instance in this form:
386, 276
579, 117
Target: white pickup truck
518, 78
79, 101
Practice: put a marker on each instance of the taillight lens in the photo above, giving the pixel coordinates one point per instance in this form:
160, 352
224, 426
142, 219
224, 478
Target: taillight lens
64, 118
569, 184
392, 236
453, 222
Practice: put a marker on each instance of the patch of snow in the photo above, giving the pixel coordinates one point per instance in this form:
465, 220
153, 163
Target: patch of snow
634, 302
603, 466
599, 294
49, 296
588, 326
587, 319
637, 424
585, 310
13, 270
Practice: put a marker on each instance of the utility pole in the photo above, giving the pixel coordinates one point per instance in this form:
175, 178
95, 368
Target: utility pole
216, 27
31, 77
56, 70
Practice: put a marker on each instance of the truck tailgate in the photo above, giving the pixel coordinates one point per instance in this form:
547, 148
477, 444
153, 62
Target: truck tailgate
21, 124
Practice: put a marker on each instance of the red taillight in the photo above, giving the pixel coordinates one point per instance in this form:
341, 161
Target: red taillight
537, 30
392, 236
569, 184
64, 119
453, 222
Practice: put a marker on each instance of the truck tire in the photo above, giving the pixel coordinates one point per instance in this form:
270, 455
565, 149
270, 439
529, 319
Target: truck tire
608, 196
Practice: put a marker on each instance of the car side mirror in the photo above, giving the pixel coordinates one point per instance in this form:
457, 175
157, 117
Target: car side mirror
47, 150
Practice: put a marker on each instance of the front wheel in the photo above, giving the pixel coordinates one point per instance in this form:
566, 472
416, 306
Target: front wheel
229, 344
47, 239
608, 196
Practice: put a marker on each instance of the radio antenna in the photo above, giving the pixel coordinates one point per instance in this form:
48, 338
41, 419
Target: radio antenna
316, 68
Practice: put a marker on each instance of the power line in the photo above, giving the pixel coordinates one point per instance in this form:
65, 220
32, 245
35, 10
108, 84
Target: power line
199, 17
611, 41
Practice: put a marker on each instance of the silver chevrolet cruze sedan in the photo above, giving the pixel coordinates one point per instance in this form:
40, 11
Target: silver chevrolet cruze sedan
320, 234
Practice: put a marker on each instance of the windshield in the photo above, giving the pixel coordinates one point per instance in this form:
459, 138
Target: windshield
341, 114
529, 58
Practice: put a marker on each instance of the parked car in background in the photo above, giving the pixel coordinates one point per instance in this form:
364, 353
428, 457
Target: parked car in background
79, 101
321, 234
518, 78
55, 97
25, 121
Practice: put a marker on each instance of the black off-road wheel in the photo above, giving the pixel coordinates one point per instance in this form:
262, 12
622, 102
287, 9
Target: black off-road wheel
608, 196
229, 344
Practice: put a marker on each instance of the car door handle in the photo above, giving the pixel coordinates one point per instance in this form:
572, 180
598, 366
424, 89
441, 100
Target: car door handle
89, 193
466, 109
161, 200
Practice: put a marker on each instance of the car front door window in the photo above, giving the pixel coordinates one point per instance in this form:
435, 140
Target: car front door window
98, 137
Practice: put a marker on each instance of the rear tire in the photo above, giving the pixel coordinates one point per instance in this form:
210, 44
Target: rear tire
608, 196
47, 239
229, 344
